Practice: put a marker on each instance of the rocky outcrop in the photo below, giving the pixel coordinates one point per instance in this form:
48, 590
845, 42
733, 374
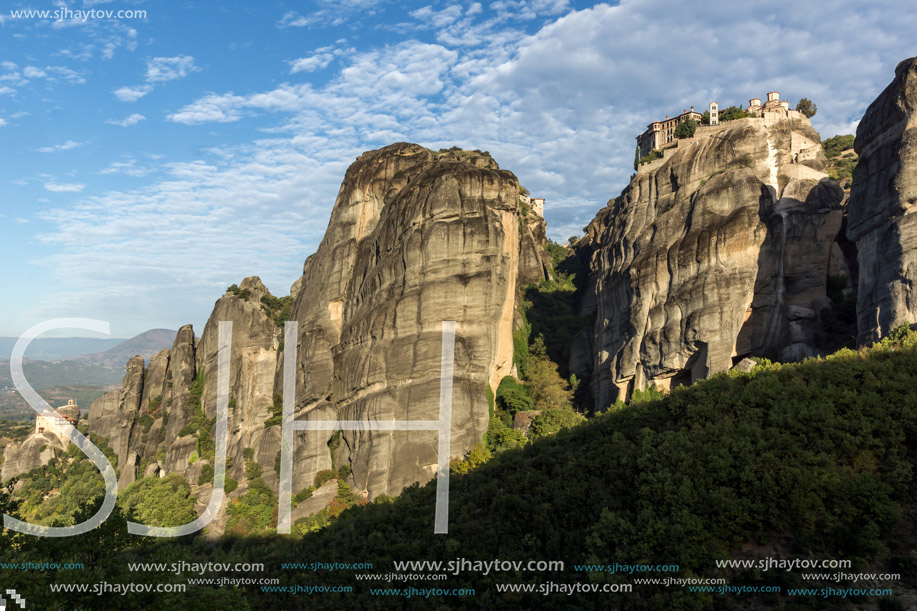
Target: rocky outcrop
713, 252
415, 238
149, 422
883, 208
115, 415
254, 361
35, 451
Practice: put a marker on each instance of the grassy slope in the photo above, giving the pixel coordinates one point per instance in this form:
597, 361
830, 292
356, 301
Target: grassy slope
816, 458
812, 459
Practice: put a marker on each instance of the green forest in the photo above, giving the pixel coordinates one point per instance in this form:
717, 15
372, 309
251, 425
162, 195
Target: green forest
814, 459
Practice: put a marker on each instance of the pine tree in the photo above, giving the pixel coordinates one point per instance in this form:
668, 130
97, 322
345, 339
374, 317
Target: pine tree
807, 107
548, 389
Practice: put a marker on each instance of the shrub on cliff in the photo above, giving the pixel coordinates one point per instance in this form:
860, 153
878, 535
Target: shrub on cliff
551, 421
155, 501
548, 389
513, 396
732, 113
807, 107
686, 129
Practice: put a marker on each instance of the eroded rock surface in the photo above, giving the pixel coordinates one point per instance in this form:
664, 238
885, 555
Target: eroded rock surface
883, 208
415, 238
700, 259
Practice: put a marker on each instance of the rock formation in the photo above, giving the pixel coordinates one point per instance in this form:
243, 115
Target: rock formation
415, 238
35, 451
149, 421
47, 441
883, 208
716, 251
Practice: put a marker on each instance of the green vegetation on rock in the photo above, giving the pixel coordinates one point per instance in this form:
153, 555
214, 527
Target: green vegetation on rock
732, 113
686, 129
807, 107
841, 159
278, 308
200, 425
159, 501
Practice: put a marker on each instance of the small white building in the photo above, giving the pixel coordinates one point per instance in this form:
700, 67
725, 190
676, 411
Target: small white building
773, 102
714, 111
536, 204
66, 416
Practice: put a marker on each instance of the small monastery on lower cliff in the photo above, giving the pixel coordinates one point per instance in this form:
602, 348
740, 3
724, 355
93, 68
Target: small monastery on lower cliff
68, 415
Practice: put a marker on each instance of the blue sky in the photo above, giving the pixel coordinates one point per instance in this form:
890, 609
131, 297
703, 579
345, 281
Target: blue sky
148, 163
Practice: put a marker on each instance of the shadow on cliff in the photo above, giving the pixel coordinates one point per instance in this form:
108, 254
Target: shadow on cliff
551, 309
767, 331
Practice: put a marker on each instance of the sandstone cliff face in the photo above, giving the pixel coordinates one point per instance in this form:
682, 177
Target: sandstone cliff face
35, 451
883, 208
714, 252
254, 359
144, 421
415, 238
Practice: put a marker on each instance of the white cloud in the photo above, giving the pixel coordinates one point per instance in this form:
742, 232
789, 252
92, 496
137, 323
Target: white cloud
132, 94
336, 12
33, 72
129, 168
440, 18
395, 79
269, 200
65, 73
311, 64
529, 9
293, 19
549, 105
64, 146
51, 73
63, 187
19, 115
158, 70
210, 109
2, 122
559, 107
80, 52
161, 69
133, 119
13, 78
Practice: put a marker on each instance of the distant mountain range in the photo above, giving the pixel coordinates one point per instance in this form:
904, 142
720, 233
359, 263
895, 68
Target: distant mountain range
92, 349
59, 348
146, 345
75, 363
